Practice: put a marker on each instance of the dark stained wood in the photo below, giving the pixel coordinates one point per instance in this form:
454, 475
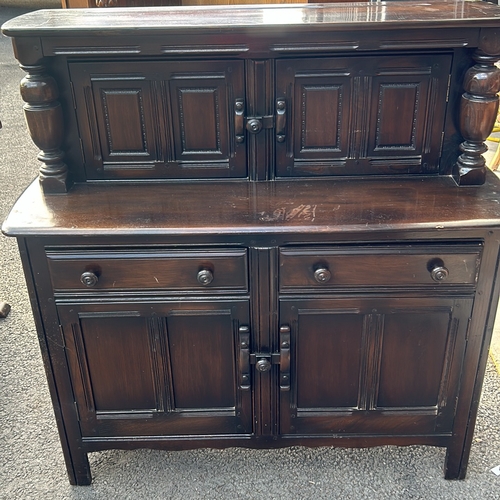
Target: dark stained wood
317, 206
354, 355
378, 266
362, 115
44, 117
352, 306
67, 4
150, 270
57, 22
129, 364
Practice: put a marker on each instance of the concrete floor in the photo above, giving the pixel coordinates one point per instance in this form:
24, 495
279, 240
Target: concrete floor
31, 461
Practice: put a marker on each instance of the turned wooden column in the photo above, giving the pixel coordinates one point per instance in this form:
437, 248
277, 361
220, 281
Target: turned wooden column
478, 111
46, 126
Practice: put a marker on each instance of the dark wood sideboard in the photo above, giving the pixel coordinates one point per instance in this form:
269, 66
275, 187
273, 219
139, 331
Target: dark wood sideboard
262, 226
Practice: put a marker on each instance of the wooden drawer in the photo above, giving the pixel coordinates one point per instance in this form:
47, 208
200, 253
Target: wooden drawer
196, 271
379, 266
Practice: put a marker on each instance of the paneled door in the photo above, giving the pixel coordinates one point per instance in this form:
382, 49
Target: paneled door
172, 366
367, 365
361, 115
169, 120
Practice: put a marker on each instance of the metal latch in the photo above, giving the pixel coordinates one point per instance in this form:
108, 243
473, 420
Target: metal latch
263, 361
256, 123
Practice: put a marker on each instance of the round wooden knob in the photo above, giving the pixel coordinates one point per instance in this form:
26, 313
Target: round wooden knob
322, 275
263, 365
205, 277
89, 279
439, 273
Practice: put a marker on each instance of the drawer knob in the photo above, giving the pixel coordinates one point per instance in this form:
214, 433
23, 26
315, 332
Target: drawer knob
205, 277
439, 273
322, 275
89, 279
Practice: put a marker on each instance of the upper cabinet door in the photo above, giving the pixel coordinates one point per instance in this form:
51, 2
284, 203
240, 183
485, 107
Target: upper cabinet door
362, 115
150, 120
317, 95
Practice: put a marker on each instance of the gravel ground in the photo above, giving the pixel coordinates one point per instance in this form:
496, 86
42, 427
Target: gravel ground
30, 456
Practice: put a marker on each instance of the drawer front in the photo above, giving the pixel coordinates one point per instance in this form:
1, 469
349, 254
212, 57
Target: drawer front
196, 271
396, 266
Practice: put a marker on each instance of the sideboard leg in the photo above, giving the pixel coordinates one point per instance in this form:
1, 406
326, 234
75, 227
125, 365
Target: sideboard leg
78, 468
455, 466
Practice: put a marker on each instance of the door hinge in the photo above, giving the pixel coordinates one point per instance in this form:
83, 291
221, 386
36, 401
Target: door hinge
76, 411
63, 341
263, 361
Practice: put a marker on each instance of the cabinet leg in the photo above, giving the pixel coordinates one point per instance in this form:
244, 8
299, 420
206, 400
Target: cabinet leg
78, 469
455, 465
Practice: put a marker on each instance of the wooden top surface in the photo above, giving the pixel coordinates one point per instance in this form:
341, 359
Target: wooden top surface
281, 207
385, 15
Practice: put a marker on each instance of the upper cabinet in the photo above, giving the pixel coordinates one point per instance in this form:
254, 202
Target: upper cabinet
260, 93
168, 120
362, 115
332, 116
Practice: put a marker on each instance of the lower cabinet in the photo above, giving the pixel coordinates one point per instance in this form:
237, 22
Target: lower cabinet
158, 368
349, 362
178, 347
372, 365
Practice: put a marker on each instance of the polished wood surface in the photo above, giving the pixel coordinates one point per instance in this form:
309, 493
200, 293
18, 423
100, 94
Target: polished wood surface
317, 206
262, 226
379, 16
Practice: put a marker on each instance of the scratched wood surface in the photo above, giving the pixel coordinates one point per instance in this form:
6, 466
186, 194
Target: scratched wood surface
241, 207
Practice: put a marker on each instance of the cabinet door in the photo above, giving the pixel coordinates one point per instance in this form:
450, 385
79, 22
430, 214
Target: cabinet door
365, 365
159, 119
361, 115
158, 368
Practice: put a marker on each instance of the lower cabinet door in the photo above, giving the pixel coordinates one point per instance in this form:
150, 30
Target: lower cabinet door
168, 368
367, 365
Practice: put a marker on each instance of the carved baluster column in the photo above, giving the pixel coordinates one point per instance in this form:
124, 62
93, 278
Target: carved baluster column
45, 123
478, 111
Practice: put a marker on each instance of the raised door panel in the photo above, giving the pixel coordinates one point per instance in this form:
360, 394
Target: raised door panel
406, 114
204, 341
202, 100
361, 115
164, 369
118, 363
317, 96
366, 365
410, 341
320, 358
159, 120
118, 110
